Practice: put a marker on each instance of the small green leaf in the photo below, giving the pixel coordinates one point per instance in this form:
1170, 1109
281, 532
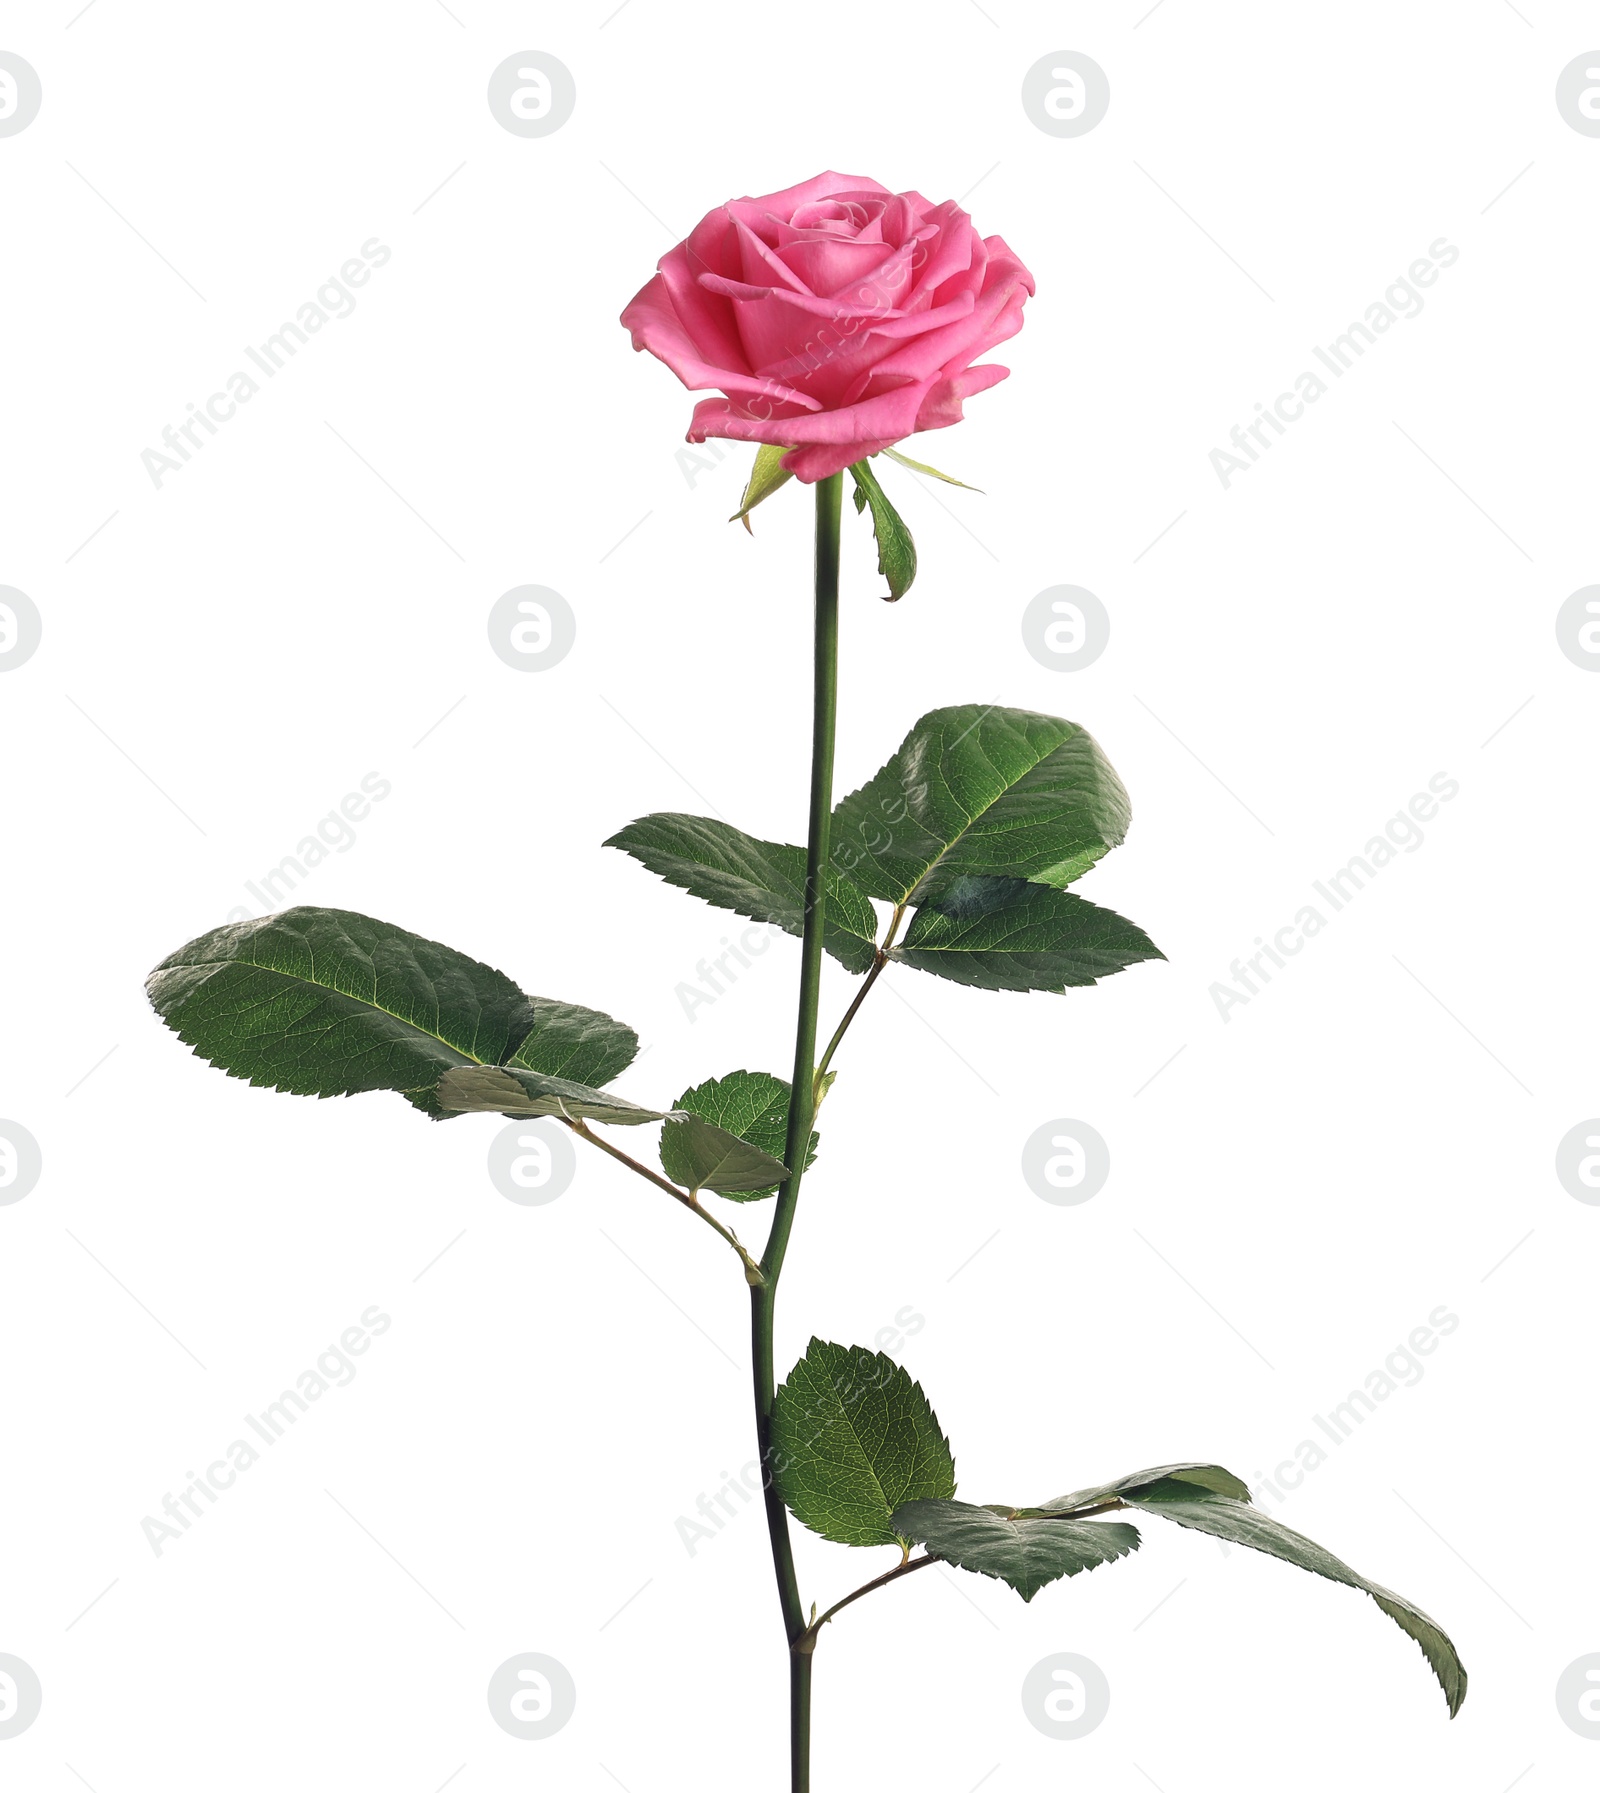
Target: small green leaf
752, 1106
1032, 939
765, 478
905, 460
977, 790
705, 1156
853, 1439
511, 1091
1027, 1554
756, 878
897, 553
324, 1002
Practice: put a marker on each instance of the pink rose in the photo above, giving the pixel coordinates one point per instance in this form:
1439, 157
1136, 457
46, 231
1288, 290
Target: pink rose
836, 317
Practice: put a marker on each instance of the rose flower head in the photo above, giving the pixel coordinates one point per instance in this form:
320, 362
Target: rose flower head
835, 318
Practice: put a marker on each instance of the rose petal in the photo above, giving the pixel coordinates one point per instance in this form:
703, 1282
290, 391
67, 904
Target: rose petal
942, 405
655, 324
915, 323
811, 464
952, 250
840, 309
820, 186
758, 259
828, 265
996, 315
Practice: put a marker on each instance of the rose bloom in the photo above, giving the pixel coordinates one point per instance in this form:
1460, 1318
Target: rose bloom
835, 318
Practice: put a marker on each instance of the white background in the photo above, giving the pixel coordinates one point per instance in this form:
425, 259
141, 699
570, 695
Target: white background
1299, 1188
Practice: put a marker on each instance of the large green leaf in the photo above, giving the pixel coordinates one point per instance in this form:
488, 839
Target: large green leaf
702, 1155
1238, 1523
853, 1438
323, 1002
751, 1105
1002, 934
566, 1041
976, 790
1025, 1553
510, 1090
1208, 1499
756, 878
897, 553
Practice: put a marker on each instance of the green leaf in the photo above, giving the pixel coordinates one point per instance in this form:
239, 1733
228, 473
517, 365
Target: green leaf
756, 878
1237, 1523
509, 1090
1210, 1478
976, 790
765, 478
853, 1439
905, 460
1025, 1553
566, 1041
705, 1156
1032, 938
897, 553
323, 1002
1208, 1499
752, 1106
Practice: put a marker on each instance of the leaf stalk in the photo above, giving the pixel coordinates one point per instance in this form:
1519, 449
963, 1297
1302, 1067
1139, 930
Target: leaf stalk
752, 1270
806, 1643
882, 959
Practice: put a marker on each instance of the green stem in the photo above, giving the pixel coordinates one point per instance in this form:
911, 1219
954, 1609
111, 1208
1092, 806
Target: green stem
802, 1107
800, 1721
